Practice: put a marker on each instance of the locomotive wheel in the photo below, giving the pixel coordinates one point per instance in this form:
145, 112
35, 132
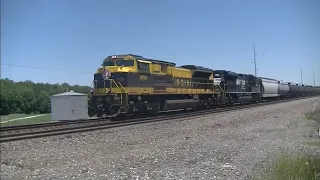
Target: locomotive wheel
155, 108
114, 109
91, 112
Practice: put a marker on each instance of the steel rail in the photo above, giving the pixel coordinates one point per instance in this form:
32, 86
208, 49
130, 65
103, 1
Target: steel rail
89, 120
110, 124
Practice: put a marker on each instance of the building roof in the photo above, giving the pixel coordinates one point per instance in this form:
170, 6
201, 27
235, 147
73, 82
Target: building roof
70, 93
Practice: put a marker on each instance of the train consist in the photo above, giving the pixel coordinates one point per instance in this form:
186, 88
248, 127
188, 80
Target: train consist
130, 84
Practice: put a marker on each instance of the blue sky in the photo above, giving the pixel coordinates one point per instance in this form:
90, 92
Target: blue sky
76, 35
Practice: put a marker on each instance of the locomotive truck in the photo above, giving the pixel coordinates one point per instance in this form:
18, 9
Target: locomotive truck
130, 84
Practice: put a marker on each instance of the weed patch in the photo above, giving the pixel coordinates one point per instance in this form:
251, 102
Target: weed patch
313, 143
294, 168
313, 116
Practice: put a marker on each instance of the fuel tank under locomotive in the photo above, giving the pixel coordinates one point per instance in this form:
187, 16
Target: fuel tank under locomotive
181, 104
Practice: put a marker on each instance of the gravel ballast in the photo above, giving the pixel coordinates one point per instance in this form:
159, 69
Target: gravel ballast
229, 145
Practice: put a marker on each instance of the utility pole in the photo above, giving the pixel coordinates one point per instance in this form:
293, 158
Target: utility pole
255, 61
314, 80
301, 77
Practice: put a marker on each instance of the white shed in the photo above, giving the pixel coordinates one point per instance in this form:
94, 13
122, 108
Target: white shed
69, 106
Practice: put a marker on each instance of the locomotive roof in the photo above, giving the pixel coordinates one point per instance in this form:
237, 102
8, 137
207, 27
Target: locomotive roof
230, 73
197, 68
146, 59
152, 60
162, 62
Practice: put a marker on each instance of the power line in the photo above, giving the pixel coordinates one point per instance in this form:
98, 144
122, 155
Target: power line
44, 68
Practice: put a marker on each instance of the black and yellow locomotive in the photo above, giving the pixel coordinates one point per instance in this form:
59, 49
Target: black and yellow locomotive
130, 84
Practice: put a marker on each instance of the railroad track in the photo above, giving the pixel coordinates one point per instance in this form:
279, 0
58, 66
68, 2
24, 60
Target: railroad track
9, 134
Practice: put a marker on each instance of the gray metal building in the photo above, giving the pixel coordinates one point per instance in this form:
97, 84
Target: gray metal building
69, 106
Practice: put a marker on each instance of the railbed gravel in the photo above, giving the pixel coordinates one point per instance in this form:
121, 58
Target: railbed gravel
229, 145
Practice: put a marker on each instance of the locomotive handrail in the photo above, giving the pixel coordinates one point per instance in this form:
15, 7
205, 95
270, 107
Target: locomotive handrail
126, 93
123, 88
222, 90
112, 80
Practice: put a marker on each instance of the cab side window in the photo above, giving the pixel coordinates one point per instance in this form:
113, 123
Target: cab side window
143, 66
163, 68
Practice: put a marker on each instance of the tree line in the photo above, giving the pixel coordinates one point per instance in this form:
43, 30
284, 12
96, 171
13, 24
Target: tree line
28, 97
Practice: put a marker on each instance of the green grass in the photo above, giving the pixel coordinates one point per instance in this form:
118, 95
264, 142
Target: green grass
14, 116
313, 116
314, 143
34, 120
294, 168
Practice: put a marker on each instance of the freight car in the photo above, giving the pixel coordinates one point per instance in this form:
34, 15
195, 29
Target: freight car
270, 89
283, 90
131, 84
293, 90
273, 89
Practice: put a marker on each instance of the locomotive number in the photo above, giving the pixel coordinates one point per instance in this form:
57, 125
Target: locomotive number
188, 83
143, 78
181, 82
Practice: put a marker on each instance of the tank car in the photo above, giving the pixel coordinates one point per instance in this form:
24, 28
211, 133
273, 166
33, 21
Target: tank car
317, 91
302, 90
283, 90
293, 90
308, 90
270, 89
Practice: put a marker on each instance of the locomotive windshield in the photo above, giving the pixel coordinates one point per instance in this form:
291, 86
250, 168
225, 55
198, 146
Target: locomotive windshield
125, 63
108, 63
